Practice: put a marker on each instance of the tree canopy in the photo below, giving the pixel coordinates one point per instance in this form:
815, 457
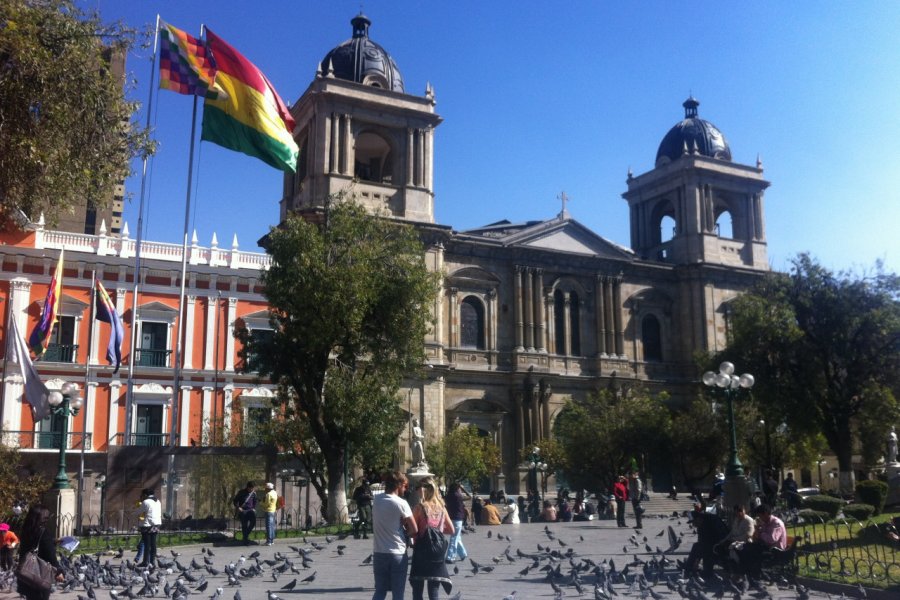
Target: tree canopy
348, 294
463, 454
66, 134
825, 351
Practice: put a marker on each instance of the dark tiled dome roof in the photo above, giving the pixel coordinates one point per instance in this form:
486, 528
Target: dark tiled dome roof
692, 135
361, 60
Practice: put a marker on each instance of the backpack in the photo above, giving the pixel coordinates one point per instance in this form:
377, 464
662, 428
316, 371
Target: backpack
434, 544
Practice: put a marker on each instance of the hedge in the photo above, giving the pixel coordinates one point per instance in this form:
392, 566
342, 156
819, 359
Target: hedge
826, 504
872, 492
860, 512
813, 516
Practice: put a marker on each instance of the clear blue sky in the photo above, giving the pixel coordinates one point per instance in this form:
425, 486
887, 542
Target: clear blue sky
539, 97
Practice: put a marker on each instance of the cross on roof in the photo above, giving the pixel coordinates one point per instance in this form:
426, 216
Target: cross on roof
564, 214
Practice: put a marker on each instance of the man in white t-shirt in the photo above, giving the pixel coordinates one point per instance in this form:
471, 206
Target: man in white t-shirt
392, 525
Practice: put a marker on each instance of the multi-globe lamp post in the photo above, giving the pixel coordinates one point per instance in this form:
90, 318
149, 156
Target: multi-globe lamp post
64, 403
730, 384
535, 464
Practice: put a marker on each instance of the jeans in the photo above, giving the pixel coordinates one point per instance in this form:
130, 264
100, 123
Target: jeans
419, 586
620, 512
270, 527
457, 551
390, 574
148, 539
638, 512
248, 522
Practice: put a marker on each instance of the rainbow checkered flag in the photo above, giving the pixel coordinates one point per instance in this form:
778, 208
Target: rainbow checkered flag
185, 65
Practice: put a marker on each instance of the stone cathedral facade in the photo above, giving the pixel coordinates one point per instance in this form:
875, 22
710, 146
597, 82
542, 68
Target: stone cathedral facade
533, 313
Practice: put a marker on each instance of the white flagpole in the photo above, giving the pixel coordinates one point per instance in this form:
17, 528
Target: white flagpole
87, 379
129, 394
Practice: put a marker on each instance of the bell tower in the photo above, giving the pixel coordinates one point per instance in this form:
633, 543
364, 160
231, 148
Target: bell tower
696, 205
358, 129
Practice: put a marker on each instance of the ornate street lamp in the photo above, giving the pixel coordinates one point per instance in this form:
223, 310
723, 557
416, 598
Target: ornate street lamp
535, 465
65, 403
730, 384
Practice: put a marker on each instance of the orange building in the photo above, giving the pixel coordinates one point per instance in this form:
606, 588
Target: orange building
216, 399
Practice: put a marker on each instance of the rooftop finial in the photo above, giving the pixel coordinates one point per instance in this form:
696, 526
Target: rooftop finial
563, 214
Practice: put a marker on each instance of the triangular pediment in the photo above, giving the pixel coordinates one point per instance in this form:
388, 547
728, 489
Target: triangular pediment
157, 307
568, 236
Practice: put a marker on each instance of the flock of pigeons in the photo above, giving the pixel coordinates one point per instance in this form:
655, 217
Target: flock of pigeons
642, 571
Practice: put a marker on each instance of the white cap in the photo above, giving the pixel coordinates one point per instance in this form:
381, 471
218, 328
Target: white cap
270, 486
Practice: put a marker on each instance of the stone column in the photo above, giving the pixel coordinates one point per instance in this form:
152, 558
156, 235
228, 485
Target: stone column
113, 426
567, 323
19, 299
520, 419
228, 391
90, 413
333, 143
184, 424
540, 342
492, 319
529, 310
188, 325
208, 354
536, 434
439, 299
617, 314
229, 339
410, 157
551, 323
420, 162
454, 318
608, 319
545, 409
429, 154
206, 413
599, 317
519, 309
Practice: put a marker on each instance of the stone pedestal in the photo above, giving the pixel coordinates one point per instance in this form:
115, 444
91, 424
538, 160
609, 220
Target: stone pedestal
737, 491
892, 471
415, 475
62, 508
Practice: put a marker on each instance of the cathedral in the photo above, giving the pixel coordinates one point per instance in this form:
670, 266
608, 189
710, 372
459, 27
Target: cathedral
533, 313
528, 315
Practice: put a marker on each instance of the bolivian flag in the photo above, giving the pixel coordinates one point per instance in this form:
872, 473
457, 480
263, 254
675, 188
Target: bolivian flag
252, 119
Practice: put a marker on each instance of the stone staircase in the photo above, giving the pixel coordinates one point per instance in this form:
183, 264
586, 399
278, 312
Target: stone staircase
660, 505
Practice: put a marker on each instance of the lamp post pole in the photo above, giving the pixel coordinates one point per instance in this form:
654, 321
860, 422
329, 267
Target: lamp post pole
730, 384
64, 403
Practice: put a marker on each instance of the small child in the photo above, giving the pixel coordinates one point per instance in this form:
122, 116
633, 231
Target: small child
8, 543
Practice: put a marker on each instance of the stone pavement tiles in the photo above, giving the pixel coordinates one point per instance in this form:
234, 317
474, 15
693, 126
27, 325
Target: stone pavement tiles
339, 568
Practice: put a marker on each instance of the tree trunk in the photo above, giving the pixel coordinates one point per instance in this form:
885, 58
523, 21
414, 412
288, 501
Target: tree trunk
337, 493
844, 453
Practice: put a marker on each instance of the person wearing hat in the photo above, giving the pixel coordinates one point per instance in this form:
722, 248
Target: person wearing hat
8, 543
269, 505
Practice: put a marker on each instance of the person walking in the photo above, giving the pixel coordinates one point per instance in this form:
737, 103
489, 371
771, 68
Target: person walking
245, 506
456, 508
151, 508
428, 564
270, 506
620, 492
636, 492
362, 495
8, 543
392, 525
36, 535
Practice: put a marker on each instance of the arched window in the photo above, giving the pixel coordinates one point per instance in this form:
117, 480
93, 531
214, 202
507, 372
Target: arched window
725, 225
574, 324
471, 323
651, 338
559, 321
563, 316
666, 229
373, 158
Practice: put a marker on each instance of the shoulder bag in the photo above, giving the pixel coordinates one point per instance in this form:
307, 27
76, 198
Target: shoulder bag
35, 571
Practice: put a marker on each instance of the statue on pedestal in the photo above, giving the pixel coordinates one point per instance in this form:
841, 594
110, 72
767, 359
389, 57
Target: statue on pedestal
892, 447
417, 445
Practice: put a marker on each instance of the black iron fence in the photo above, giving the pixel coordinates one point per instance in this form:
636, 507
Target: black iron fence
44, 440
152, 440
116, 529
849, 551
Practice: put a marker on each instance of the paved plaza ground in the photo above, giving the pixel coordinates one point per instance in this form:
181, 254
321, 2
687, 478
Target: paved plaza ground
340, 569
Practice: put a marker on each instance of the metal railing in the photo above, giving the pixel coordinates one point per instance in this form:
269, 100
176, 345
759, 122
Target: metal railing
150, 357
64, 353
44, 440
151, 440
849, 551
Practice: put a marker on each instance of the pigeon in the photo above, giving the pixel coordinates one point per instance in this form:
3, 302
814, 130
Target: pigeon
309, 579
290, 585
367, 560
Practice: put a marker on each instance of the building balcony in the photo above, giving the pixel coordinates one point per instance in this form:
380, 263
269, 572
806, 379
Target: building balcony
44, 440
63, 353
152, 357
147, 440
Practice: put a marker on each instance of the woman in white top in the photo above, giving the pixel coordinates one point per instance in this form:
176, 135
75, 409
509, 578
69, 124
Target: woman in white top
512, 513
152, 511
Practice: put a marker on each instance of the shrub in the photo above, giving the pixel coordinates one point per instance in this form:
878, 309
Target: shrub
813, 516
860, 512
827, 504
872, 492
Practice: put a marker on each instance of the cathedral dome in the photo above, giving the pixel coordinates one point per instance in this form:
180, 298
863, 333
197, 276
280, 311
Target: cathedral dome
693, 135
361, 60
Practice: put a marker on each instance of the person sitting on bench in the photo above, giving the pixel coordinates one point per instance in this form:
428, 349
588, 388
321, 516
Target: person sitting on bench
770, 534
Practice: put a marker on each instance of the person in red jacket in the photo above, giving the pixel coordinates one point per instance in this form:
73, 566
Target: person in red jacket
620, 491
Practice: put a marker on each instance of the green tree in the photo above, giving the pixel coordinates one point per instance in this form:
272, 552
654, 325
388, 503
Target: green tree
65, 124
608, 430
699, 442
348, 295
21, 481
824, 348
551, 453
463, 454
